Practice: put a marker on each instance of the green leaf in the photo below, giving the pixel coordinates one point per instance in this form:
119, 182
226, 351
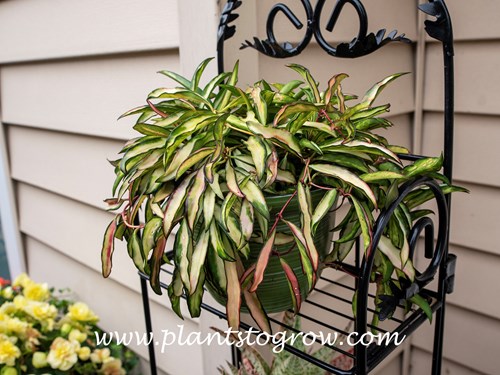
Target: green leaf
262, 261
194, 197
304, 253
304, 197
257, 311
174, 204
180, 94
217, 243
304, 72
184, 130
260, 104
293, 284
286, 176
194, 159
155, 264
333, 85
271, 165
233, 304
306, 143
183, 251
198, 73
381, 175
361, 146
175, 292
294, 108
346, 160
214, 82
232, 184
321, 127
423, 304
364, 222
179, 157
423, 166
255, 196
282, 137
231, 82
208, 207
176, 77
152, 130
376, 89
246, 219
194, 299
198, 260
394, 254
346, 176
259, 154
149, 235
325, 205
108, 246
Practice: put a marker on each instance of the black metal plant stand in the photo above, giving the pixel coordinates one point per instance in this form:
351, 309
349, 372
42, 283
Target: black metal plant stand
363, 358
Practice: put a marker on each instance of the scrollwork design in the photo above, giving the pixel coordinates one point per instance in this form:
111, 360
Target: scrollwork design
433, 250
363, 44
226, 30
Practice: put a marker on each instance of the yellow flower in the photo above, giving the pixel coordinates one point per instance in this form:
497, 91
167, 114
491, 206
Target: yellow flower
84, 353
8, 352
63, 354
36, 292
77, 335
17, 326
113, 367
41, 311
101, 356
8, 292
80, 312
39, 359
20, 302
8, 308
22, 280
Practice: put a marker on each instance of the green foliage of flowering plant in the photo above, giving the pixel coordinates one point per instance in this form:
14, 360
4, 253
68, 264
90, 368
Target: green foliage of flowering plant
207, 157
43, 332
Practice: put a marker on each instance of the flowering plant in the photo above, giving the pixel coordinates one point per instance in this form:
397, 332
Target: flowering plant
43, 332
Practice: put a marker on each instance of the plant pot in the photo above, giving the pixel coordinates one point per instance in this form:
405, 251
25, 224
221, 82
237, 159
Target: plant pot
274, 291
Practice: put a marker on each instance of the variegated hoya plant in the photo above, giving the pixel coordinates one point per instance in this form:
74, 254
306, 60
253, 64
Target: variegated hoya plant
208, 156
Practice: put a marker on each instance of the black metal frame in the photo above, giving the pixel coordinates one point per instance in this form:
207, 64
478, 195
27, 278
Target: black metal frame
365, 358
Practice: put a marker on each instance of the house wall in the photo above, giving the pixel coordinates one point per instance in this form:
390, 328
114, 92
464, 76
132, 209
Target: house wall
69, 68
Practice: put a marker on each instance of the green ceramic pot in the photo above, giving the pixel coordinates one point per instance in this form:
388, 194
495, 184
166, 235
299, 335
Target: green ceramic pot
274, 292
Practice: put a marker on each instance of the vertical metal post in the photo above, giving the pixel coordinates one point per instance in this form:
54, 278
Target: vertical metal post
149, 326
448, 54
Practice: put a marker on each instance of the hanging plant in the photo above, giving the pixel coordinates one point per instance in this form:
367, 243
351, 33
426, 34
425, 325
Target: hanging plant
245, 180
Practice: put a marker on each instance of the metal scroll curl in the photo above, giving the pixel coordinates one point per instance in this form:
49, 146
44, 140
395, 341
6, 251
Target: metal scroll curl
434, 251
362, 44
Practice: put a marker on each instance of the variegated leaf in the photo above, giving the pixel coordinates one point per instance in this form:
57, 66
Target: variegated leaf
194, 197
280, 136
293, 283
262, 261
174, 204
346, 176
246, 219
255, 196
108, 246
259, 154
233, 304
183, 251
325, 205
198, 260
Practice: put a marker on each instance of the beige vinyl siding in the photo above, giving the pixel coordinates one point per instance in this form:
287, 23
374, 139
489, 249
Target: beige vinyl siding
68, 69
472, 325
48, 29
